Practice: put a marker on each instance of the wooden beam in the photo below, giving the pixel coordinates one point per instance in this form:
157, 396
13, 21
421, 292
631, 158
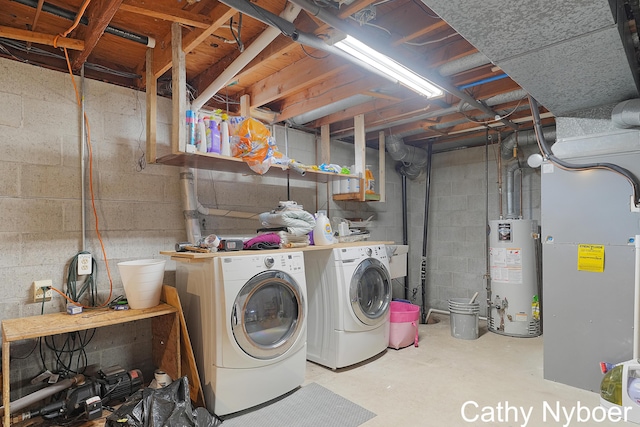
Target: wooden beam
421, 32
152, 108
6, 384
219, 16
354, 7
40, 38
325, 144
99, 14
35, 18
274, 52
292, 79
245, 106
166, 14
179, 94
360, 144
382, 176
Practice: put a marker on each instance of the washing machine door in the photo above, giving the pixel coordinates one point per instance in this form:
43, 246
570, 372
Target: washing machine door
268, 315
370, 291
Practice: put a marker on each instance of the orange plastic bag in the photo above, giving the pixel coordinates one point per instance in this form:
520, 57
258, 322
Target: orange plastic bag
252, 142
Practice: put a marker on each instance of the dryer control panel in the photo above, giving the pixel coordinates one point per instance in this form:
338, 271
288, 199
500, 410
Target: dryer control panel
290, 262
361, 252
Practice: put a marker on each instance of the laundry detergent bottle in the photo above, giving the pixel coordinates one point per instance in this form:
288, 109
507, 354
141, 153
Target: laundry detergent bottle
322, 233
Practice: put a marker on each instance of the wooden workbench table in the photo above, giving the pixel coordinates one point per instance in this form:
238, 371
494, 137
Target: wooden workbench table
165, 342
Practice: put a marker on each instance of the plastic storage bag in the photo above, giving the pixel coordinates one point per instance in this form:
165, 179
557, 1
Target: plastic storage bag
252, 142
169, 406
403, 329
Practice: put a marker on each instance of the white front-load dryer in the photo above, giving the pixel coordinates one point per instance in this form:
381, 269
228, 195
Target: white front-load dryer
349, 290
246, 316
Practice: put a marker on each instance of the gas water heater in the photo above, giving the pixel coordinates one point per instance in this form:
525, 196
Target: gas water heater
515, 299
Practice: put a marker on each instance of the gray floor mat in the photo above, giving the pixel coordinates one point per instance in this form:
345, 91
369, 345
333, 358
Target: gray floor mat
308, 406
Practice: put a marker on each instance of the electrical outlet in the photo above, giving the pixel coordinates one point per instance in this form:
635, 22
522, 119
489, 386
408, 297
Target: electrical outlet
84, 264
40, 294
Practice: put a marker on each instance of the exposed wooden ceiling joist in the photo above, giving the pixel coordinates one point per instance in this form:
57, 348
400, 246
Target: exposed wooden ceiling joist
166, 14
219, 16
99, 14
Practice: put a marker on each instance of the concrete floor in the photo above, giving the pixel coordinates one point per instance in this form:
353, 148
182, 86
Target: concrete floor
429, 385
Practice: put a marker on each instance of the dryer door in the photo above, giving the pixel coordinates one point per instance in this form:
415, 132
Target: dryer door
370, 291
268, 315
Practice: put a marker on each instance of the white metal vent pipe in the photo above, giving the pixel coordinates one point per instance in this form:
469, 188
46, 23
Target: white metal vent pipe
414, 159
495, 100
524, 138
510, 171
626, 114
465, 63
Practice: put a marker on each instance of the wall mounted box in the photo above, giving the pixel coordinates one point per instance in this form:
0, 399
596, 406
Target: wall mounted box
398, 262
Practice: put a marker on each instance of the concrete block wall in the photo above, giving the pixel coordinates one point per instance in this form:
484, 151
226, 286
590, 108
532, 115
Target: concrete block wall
40, 203
462, 183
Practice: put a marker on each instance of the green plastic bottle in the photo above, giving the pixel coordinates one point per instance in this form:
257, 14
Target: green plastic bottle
611, 386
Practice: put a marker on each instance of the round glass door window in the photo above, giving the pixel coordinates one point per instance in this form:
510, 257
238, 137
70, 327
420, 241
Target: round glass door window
370, 291
268, 315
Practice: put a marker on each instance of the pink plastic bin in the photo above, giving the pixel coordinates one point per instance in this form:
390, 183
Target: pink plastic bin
403, 330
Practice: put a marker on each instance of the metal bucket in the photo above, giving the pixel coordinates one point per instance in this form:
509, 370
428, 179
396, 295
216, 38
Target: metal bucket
464, 318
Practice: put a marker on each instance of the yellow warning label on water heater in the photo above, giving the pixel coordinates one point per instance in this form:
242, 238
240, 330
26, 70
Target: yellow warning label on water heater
591, 258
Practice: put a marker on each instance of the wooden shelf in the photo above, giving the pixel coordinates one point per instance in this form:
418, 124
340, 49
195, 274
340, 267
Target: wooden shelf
361, 196
165, 333
60, 323
357, 197
217, 162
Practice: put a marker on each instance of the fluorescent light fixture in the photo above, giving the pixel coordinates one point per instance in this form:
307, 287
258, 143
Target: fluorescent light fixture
388, 66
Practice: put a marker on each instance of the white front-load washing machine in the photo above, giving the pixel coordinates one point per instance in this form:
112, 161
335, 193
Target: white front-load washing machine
349, 291
246, 316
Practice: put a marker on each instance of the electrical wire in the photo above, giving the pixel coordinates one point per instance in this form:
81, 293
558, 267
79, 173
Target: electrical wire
141, 163
544, 149
427, 12
237, 37
431, 41
313, 56
22, 47
89, 285
268, 19
73, 346
26, 356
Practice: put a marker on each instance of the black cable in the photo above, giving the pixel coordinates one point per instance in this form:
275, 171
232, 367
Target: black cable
267, 18
28, 354
233, 33
89, 286
21, 46
544, 148
311, 56
74, 345
115, 386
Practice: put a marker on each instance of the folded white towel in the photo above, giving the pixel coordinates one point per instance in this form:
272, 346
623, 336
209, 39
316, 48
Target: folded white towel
298, 222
